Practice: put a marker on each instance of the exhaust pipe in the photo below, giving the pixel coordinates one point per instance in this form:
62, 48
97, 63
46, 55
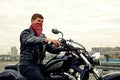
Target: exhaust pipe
71, 77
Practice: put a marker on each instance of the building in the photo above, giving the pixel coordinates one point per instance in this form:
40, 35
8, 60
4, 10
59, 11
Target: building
109, 52
14, 51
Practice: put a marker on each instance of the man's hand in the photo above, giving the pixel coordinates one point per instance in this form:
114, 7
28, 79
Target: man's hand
55, 42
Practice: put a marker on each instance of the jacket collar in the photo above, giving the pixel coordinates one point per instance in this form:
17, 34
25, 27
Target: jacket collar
31, 31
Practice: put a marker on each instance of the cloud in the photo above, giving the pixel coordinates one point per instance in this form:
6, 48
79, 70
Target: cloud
90, 21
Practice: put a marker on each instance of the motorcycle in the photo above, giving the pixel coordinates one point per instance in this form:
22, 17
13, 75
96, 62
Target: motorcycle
73, 64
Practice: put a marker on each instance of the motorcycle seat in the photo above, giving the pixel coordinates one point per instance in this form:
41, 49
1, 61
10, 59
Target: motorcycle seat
13, 66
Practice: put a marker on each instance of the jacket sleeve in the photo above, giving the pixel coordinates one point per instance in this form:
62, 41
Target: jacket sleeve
28, 39
54, 50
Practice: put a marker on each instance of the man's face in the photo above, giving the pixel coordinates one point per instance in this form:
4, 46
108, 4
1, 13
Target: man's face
37, 20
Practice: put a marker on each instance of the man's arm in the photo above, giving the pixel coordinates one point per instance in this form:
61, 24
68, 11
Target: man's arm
27, 38
30, 39
54, 50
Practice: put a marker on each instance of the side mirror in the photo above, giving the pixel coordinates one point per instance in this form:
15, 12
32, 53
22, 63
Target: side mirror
55, 31
96, 55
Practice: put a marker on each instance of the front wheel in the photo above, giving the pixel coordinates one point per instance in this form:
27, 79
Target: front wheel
112, 76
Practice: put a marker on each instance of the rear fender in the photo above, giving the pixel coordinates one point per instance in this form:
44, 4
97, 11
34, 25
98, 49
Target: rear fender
10, 74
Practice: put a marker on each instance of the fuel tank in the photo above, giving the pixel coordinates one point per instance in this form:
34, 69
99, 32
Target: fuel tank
56, 63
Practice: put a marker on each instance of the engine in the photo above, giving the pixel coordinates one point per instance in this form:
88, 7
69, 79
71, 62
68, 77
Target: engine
62, 76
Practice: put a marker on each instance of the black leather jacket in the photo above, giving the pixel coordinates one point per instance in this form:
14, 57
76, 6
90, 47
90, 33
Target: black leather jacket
32, 48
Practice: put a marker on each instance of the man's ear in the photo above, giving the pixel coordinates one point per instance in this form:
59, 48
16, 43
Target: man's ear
32, 21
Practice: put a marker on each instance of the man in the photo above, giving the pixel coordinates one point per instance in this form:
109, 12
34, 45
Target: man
33, 47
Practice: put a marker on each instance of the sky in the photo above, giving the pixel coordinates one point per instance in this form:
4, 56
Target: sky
93, 23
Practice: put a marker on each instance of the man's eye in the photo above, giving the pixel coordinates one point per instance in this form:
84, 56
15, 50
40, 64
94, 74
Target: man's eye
40, 21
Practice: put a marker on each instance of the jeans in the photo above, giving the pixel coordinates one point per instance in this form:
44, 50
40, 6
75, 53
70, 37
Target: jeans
31, 71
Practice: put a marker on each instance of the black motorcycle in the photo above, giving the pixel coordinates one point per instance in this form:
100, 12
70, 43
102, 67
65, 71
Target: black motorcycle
73, 64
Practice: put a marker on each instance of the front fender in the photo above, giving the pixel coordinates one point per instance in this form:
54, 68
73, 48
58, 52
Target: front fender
112, 76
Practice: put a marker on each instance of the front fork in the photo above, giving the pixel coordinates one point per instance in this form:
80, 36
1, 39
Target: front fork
84, 74
97, 75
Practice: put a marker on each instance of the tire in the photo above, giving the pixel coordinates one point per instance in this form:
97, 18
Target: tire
112, 76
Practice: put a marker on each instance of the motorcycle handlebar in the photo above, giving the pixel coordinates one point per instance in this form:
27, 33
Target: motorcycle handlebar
70, 40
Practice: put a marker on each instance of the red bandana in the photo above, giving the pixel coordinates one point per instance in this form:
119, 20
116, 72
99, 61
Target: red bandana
37, 27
